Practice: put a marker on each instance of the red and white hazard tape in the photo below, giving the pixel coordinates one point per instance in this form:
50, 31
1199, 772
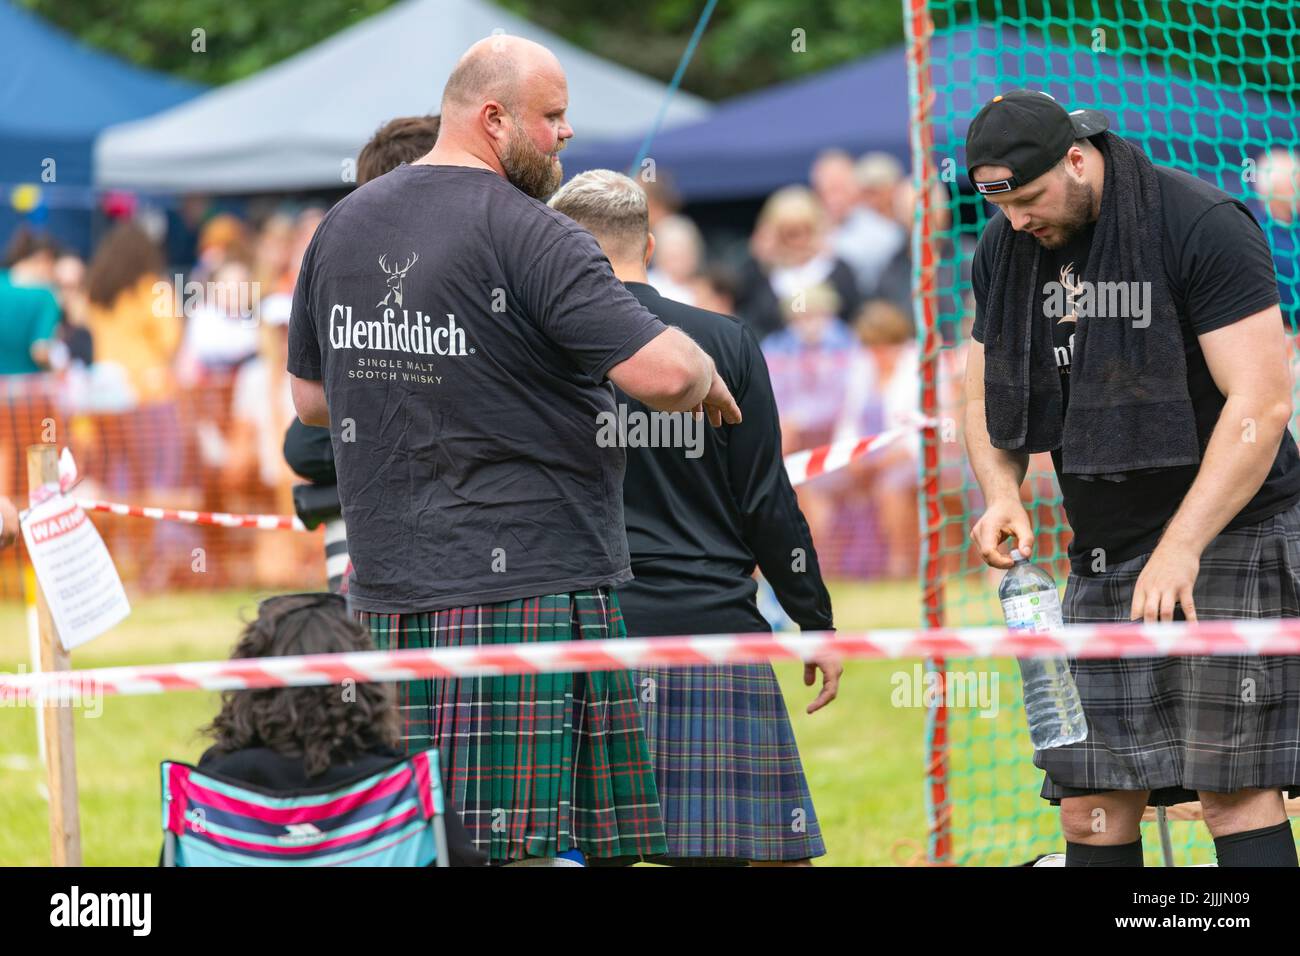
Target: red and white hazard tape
220, 518
801, 466
1092, 640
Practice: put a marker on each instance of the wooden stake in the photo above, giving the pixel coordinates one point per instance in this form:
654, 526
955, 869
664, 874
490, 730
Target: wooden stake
60, 743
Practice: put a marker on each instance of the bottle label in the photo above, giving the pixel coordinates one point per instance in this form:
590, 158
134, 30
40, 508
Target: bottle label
1039, 611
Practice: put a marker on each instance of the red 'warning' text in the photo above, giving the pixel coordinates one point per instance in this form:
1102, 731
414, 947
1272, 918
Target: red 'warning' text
58, 524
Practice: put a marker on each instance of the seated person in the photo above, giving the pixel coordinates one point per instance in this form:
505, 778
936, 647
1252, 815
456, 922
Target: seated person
298, 738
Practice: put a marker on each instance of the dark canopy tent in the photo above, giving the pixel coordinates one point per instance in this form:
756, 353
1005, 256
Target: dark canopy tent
55, 97
756, 143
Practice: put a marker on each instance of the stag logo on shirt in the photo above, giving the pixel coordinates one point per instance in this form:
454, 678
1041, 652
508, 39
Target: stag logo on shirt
396, 329
395, 275
1073, 289
1071, 299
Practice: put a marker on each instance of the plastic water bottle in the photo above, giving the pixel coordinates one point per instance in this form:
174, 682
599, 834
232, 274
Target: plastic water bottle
1030, 603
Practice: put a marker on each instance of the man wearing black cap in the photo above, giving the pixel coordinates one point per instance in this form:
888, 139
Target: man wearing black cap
1127, 321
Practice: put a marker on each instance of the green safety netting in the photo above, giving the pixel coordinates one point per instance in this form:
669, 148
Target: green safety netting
1208, 88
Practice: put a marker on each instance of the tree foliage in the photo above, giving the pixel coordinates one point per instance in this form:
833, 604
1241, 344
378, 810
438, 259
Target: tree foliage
749, 44
241, 37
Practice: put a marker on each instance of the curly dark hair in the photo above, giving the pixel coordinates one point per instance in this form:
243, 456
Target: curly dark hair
323, 725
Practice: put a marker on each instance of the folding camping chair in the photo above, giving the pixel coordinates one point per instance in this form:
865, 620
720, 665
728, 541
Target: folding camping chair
390, 818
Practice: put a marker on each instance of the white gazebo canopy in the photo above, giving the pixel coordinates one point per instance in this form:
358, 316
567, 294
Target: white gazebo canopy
295, 125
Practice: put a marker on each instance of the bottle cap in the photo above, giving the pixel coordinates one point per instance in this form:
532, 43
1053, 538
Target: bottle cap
1016, 555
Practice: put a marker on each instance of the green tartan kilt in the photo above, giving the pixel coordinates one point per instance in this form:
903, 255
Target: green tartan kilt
536, 764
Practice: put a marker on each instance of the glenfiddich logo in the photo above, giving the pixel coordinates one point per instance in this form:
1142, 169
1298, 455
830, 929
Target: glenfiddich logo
414, 333
395, 275
398, 329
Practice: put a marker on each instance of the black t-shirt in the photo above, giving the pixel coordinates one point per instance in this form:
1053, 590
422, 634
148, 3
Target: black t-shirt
463, 332
1220, 270
703, 511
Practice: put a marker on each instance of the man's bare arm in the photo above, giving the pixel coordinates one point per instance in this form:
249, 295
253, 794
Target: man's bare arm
1248, 362
309, 401
999, 473
673, 374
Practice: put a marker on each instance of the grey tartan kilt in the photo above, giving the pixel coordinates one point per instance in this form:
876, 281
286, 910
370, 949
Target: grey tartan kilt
1176, 725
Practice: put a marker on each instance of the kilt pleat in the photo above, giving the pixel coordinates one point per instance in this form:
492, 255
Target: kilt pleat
731, 783
536, 764
1176, 725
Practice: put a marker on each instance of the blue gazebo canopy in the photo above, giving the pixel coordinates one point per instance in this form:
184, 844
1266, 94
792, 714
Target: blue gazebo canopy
753, 144
56, 95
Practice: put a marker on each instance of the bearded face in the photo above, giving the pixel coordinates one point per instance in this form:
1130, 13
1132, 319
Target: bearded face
528, 169
1075, 215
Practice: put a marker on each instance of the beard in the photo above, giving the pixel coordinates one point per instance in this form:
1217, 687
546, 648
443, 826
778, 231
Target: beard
1079, 201
529, 170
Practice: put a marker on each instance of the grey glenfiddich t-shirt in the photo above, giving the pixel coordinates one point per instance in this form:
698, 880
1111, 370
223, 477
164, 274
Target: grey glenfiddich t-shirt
462, 332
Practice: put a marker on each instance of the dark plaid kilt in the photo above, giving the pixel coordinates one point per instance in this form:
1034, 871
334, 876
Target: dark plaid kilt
727, 766
1176, 725
535, 764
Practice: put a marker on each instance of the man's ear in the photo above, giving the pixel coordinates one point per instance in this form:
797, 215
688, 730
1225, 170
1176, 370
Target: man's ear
1075, 157
649, 248
495, 120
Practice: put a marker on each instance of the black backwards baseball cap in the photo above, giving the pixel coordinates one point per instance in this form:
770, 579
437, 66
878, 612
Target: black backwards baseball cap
1028, 132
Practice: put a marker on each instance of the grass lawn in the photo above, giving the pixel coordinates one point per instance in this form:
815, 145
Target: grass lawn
864, 757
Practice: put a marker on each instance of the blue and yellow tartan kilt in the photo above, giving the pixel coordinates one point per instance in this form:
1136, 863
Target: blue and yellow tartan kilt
536, 764
730, 780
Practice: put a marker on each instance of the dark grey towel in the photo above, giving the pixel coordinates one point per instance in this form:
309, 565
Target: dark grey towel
1129, 406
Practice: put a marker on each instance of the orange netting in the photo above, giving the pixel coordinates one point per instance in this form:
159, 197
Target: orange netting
188, 452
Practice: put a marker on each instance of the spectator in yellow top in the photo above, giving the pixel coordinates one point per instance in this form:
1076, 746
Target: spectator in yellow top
133, 325
139, 452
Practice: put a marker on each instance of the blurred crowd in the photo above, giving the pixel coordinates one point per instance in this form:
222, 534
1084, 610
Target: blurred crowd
171, 381
824, 283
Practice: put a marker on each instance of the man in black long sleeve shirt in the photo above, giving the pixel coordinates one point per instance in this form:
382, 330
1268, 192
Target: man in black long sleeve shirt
697, 526
703, 507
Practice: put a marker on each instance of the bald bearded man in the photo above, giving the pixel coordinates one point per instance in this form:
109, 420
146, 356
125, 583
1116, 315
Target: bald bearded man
459, 338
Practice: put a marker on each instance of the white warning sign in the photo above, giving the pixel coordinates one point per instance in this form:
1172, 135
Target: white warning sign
75, 570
